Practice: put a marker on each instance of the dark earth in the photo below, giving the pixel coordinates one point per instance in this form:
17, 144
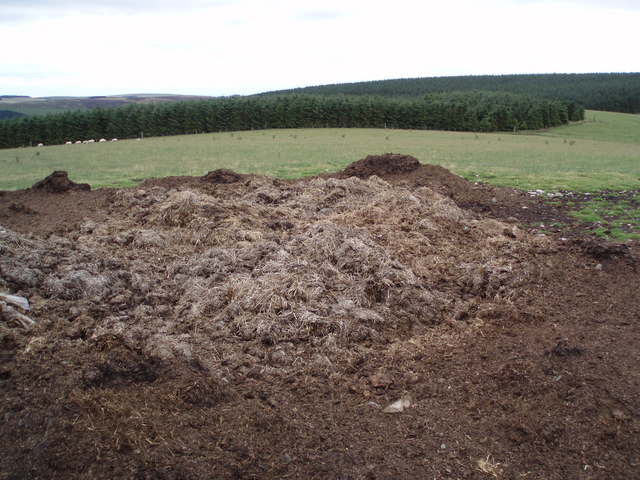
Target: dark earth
242, 327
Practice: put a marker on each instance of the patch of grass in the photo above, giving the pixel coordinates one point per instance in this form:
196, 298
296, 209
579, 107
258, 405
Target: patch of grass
601, 126
611, 218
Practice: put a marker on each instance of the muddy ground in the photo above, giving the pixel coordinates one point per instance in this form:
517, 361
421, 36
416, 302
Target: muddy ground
242, 327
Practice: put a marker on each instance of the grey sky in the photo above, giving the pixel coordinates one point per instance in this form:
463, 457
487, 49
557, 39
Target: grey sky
224, 47
631, 5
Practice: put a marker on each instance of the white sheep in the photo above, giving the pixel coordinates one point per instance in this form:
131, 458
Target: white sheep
68, 143
78, 142
41, 144
114, 139
102, 140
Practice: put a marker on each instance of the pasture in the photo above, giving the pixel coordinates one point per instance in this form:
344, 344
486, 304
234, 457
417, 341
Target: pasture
587, 156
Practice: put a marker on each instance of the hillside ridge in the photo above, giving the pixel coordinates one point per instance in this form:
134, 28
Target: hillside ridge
618, 92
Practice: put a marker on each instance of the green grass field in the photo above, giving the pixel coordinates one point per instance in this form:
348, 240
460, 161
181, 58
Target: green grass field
589, 156
603, 126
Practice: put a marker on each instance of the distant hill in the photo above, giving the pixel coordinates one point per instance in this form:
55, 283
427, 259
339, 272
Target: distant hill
616, 92
9, 114
24, 105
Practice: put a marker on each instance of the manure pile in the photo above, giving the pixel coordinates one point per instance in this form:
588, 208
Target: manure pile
239, 326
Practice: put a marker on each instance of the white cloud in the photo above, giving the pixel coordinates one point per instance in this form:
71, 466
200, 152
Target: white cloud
24, 11
627, 5
248, 46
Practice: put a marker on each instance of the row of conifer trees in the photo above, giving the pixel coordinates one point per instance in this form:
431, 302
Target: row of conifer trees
479, 111
614, 92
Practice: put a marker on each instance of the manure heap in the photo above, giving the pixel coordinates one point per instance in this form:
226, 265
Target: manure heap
240, 326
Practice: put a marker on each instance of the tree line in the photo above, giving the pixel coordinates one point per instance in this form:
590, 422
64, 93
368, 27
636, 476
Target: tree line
614, 92
480, 111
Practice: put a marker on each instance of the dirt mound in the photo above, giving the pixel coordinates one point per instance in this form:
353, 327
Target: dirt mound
208, 181
58, 182
506, 204
407, 170
381, 165
222, 175
245, 327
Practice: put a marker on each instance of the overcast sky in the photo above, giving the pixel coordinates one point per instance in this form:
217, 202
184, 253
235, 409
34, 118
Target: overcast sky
226, 47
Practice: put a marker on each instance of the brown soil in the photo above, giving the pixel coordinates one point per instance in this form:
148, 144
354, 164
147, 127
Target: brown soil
58, 182
237, 326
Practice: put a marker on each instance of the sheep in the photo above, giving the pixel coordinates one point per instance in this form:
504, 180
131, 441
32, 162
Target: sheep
78, 142
102, 140
68, 143
41, 144
114, 139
